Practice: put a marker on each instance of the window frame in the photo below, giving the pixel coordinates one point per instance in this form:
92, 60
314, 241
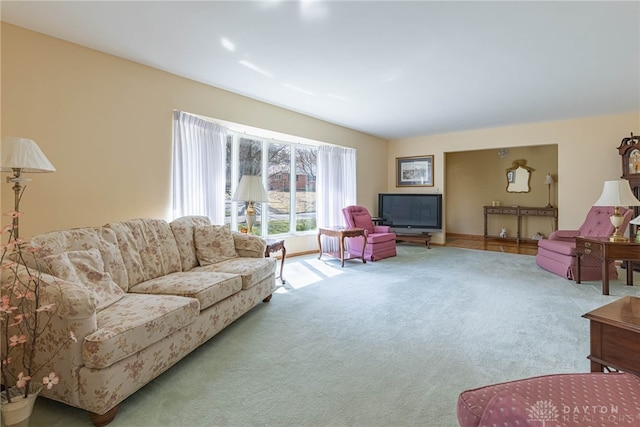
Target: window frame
233, 138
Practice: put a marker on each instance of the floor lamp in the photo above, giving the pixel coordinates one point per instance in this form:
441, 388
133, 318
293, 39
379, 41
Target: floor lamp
617, 193
21, 155
250, 190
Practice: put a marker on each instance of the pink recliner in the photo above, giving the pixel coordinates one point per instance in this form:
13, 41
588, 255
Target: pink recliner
557, 254
380, 241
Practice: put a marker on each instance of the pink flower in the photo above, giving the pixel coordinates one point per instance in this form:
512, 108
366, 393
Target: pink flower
12, 214
6, 304
18, 319
22, 380
15, 340
51, 380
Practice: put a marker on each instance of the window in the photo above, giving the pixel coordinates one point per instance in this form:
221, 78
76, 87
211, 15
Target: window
289, 180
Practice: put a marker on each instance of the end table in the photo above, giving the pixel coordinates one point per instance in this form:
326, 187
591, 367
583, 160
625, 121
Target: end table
275, 245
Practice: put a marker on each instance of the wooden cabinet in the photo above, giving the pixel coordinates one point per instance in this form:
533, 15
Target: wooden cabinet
629, 151
519, 212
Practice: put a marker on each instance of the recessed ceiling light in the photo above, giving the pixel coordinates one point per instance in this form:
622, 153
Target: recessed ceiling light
255, 68
227, 44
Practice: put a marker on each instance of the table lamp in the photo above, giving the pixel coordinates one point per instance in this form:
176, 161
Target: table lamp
548, 180
617, 193
252, 191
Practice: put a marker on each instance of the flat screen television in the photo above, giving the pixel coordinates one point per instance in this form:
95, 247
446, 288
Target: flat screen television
410, 213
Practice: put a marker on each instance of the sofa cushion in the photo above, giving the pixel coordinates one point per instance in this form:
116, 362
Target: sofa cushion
182, 229
248, 245
133, 323
79, 239
148, 248
252, 270
86, 268
214, 243
207, 287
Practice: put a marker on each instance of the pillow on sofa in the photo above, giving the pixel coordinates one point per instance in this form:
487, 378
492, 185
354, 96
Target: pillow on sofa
363, 220
214, 243
85, 267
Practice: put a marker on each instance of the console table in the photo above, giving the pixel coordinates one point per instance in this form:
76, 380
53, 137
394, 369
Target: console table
615, 336
519, 212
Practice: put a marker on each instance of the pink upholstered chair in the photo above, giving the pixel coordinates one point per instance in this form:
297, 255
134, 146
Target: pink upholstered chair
380, 241
557, 254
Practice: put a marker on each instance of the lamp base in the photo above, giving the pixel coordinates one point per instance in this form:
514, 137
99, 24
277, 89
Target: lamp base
615, 238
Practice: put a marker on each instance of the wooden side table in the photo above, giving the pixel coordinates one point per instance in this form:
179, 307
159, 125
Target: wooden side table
615, 336
275, 245
341, 234
607, 251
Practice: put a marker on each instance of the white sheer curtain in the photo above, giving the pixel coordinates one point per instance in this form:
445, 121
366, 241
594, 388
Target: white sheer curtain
335, 186
198, 167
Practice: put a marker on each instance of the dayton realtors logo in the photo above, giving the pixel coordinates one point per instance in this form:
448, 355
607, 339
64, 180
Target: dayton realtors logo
544, 411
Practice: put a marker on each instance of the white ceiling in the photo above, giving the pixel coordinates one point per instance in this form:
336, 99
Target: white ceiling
388, 68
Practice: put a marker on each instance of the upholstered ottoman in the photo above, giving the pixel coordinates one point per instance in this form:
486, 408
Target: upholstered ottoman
593, 399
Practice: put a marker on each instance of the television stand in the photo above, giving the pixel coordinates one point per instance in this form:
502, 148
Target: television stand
415, 238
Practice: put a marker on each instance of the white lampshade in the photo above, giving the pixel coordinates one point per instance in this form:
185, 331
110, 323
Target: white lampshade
617, 193
635, 221
251, 189
24, 154
548, 180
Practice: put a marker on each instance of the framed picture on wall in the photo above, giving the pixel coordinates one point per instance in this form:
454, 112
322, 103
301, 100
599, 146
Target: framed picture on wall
414, 171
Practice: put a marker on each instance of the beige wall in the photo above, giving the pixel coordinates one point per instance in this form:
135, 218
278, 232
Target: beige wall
477, 178
587, 156
105, 124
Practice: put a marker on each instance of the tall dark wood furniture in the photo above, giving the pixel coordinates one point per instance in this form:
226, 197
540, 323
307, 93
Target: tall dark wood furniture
629, 150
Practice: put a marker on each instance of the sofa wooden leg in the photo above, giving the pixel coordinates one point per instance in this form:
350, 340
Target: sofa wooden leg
267, 299
104, 419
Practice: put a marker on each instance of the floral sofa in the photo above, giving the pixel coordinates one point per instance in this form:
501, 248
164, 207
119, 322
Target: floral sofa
139, 295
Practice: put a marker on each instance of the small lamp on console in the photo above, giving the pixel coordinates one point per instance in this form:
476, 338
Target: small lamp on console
617, 193
250, 190
21, 155
548, 180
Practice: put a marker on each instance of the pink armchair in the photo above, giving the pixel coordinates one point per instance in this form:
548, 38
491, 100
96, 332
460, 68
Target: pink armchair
380, 241
557, 254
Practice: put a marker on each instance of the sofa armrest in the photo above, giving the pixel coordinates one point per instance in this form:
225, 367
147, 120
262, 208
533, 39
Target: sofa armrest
248, 245
566, 235
381, 228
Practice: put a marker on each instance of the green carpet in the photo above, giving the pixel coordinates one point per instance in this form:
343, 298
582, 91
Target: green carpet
387, 343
